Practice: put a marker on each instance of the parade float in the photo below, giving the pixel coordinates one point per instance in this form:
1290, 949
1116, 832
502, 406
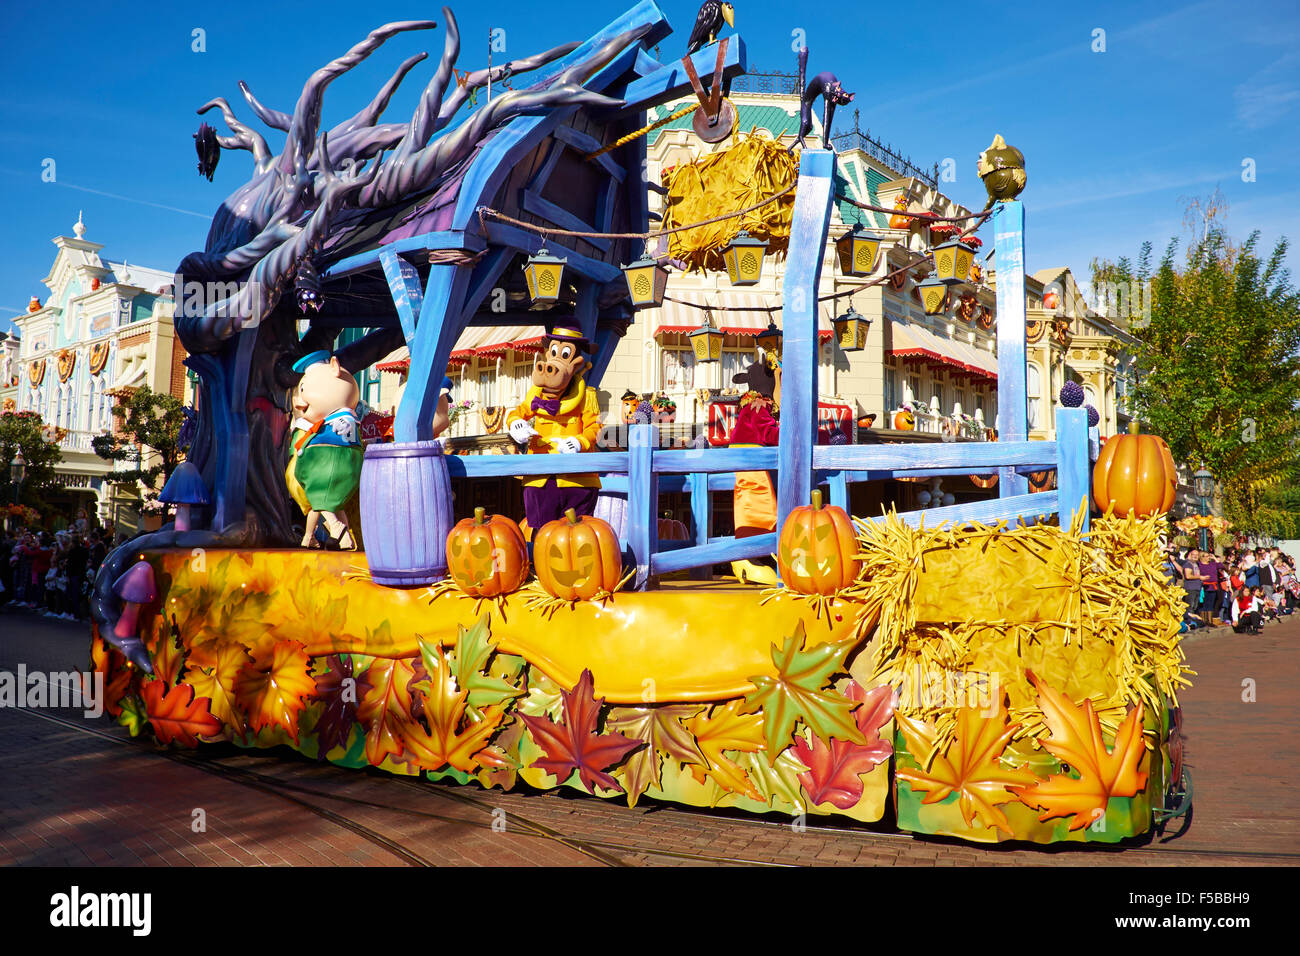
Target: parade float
998, 670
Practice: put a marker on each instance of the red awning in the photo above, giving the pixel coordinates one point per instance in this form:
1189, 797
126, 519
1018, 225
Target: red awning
736, 313
478, 340
918, 343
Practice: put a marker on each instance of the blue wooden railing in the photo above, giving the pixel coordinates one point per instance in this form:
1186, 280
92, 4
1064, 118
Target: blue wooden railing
645, 470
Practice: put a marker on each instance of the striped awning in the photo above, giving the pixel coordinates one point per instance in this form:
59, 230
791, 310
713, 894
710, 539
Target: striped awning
483, 340
919, 343
736, 313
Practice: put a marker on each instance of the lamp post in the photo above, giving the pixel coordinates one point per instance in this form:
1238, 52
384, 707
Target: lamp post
1203, 485
17, 472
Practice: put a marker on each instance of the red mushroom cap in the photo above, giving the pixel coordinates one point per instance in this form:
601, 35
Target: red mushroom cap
136, 584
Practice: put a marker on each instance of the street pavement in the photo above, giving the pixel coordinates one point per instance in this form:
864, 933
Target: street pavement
76, 792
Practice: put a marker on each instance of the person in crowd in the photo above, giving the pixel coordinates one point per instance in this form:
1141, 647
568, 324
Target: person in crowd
1268, 576
1190, 572
75, 579
1246, 613
1209, 568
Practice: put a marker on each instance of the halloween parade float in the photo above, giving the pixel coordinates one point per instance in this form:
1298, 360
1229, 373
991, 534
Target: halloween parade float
1006, 669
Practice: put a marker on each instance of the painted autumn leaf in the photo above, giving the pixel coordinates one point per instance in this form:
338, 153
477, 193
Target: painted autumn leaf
834, 771
176, 714
217, 683
661, 728
386, 706
1076, 739
969, 767
454, 737
471, 668
341, 701
168, 659
132, 715
119, 678
273, 690
725, 729
797, 693
575, 744
774, 778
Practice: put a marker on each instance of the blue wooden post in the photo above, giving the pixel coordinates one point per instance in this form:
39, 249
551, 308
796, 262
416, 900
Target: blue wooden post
642, 499
440, 323
701, 517
803, 272
1009, 261
839, 488
1072, 464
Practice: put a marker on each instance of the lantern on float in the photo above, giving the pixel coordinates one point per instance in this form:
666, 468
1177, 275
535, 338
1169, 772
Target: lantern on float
707, 341
646, 282
543, 274
851, 330
743, 256
857, 251
934, 295
952, 261
769, 340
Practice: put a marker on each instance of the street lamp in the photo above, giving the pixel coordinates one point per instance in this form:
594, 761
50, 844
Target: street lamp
1203, 485
17, 472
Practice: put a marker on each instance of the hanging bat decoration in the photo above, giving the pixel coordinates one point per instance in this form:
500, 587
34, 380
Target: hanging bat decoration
209, 150
708, 24
307, 287
827, 86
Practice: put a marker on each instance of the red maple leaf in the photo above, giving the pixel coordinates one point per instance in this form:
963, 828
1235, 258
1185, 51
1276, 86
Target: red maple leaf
575, 745
833, 771
176, 715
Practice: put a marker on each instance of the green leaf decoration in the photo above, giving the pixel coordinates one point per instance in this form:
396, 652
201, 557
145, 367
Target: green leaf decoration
660, 727
133, 716
471, 670
772, 780
545, 697
797, 693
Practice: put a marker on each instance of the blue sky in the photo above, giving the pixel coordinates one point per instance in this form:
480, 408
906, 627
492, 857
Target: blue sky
1181, 97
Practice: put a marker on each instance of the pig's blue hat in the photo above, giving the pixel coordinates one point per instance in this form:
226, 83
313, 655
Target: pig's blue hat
310, 359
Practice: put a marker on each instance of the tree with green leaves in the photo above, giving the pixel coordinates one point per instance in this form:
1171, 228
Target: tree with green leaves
1218, 364
24, 430
147, 422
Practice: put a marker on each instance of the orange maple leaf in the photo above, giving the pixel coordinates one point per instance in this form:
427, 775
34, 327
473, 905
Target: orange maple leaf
723, 729
1076, 739
167, 656
119, 677
176, 714
444, 711
969, 767
386, 707
218, 684
273, 692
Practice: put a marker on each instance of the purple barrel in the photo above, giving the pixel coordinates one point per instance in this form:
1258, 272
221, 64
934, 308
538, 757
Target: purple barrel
405, 512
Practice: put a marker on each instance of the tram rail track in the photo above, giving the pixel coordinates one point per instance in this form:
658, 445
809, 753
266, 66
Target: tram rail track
608, 853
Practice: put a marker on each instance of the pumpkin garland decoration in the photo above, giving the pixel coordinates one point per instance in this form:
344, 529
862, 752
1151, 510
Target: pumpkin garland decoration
486, 555
1134, 475
576, 559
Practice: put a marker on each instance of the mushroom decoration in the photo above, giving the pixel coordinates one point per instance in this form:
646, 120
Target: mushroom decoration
184, 488
135, 587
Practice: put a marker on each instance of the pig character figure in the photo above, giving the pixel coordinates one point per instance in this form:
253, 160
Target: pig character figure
325, 457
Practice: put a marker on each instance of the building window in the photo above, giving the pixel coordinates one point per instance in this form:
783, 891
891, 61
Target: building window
1033, 392
892, 400
912, 390
487, 386
677, 369
738, 354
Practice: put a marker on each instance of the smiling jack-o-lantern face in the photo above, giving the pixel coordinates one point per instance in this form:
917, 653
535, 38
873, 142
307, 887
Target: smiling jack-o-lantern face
904, 421
817, 550
486, 556
577, 559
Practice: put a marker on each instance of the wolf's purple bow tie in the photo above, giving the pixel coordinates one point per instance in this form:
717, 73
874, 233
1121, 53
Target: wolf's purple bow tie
549, 405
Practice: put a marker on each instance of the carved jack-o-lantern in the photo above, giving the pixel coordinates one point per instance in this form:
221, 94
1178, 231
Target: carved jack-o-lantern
670, 529
817, 551
904, 421
486, 556
576, 559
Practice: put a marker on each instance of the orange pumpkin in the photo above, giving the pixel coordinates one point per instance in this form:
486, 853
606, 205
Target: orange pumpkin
904, 421
576, 559
1040, 480
898, 220
817, 551
1135, 474
670, 529
486, 556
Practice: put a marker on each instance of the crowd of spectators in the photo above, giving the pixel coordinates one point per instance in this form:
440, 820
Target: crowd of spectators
1244, 588
51, 572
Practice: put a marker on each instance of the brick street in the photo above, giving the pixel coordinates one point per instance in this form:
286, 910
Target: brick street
78, 792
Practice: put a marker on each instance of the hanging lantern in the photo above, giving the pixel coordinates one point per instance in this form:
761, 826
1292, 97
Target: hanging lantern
952, 261
543, 274
646, 282
707, 342
857, 251
744, 259
769, 340
934, 295
851, 330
